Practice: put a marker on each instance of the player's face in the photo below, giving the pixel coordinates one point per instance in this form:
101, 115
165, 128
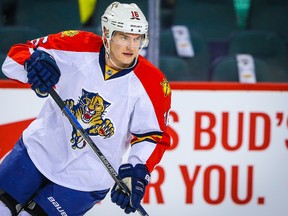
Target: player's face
124, 48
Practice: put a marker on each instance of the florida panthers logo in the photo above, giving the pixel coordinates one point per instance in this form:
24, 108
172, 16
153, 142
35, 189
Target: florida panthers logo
90, 110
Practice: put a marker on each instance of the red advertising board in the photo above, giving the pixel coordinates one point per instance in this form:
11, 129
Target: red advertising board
228, 155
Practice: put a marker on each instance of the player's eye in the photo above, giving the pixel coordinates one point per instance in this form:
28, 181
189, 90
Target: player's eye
137, 39
124, 38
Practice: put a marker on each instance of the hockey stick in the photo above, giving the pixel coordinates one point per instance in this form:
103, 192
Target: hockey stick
96, 150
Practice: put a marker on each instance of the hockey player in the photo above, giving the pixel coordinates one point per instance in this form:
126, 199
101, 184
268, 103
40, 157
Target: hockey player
119, 98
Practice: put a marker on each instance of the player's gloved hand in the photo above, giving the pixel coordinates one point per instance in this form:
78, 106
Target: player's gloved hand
43, 72
136, 178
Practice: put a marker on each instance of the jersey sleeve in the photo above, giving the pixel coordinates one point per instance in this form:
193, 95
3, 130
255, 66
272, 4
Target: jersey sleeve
13, 64
150, 118
75, 41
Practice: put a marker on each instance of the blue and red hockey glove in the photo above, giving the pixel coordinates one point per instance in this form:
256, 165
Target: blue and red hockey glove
136, 178
43, 72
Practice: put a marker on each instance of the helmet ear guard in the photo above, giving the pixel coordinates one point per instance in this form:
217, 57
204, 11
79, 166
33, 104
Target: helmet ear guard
127, 18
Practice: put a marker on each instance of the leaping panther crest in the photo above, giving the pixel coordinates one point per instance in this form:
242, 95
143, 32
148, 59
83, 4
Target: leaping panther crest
90, 110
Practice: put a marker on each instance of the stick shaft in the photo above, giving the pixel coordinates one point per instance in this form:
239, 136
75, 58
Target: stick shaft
93, 146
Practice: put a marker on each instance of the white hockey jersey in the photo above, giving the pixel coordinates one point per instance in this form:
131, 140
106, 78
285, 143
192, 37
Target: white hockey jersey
133, 104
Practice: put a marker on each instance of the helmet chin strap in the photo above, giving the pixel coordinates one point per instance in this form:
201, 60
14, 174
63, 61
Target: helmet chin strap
122, 68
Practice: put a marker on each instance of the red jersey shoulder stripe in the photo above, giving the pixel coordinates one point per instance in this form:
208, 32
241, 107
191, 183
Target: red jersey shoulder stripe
73, 40
156, 86
77, 41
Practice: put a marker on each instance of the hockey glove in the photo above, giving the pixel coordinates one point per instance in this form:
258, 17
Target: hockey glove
136, 178
43, 72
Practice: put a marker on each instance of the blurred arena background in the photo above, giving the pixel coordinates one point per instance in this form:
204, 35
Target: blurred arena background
204, 46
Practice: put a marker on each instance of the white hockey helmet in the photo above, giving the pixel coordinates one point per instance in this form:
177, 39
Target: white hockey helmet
126, 18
